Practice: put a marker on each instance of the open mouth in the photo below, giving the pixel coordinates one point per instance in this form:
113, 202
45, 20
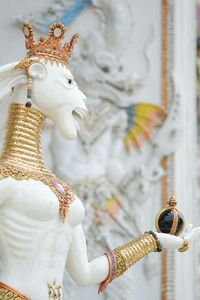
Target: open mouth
78, 115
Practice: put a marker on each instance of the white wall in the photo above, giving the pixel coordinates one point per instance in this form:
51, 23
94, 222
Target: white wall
144, 278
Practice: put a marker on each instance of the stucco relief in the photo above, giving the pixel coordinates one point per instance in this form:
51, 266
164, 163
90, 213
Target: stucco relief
114, 183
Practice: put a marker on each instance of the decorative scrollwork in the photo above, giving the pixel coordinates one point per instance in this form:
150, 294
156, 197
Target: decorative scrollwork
8, 293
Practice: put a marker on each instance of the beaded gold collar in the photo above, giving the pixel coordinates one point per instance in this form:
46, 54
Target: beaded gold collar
22, 158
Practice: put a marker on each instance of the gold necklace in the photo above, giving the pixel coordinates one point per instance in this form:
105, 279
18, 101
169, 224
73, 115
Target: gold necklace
22, 158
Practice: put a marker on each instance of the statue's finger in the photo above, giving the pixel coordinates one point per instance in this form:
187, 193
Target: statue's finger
188, 229
193, 234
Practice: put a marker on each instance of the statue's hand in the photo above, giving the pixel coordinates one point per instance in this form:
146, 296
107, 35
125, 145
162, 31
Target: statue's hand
173, 242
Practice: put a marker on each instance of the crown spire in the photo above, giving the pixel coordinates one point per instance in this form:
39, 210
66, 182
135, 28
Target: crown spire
172, 200
49, 47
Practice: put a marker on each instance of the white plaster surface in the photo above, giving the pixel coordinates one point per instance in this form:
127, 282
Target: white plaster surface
12, 48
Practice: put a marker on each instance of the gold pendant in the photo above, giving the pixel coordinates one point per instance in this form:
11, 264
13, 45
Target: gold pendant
54, 291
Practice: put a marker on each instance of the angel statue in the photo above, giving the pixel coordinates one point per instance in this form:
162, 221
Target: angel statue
40, 217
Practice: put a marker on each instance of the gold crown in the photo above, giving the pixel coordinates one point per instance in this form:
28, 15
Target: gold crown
49, 48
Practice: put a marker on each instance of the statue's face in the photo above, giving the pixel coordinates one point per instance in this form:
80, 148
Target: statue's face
56, 93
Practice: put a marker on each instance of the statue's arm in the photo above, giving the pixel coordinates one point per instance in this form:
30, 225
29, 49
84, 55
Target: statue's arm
106, 268
99, 270
78, 267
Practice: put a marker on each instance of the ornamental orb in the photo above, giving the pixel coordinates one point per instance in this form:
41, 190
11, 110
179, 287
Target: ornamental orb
170, 220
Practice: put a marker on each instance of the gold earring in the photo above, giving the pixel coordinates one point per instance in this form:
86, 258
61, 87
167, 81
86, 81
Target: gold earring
12, 91
29, 92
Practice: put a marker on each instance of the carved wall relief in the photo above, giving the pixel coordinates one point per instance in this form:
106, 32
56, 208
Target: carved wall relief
115, 165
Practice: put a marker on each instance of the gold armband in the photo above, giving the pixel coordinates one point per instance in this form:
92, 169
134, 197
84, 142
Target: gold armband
122, 258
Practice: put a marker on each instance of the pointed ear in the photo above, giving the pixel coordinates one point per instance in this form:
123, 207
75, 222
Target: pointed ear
37, 71
10, 77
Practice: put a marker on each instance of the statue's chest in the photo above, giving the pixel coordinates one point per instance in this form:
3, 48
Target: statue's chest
35, 201
32, 199
62, 192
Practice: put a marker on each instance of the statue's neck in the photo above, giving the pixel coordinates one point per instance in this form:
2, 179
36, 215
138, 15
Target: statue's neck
22, 144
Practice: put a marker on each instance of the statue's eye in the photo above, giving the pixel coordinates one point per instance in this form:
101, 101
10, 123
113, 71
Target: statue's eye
70, 81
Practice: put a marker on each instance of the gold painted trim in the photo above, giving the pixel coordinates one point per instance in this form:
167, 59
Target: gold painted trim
175, 222
185, 245
7, 292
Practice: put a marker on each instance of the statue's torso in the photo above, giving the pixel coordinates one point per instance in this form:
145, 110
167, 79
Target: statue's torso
34, 242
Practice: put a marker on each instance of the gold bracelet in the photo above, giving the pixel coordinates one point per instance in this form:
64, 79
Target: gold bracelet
185, 246
108, 279
122, 258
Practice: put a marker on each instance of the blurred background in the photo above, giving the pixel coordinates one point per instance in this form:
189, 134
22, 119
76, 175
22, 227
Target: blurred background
138, 63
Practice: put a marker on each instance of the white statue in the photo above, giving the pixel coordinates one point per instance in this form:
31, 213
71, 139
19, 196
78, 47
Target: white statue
40, 218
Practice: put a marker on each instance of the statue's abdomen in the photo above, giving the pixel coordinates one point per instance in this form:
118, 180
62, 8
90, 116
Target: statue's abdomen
33, 241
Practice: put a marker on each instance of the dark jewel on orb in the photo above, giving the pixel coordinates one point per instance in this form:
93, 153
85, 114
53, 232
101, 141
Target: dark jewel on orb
170, 220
